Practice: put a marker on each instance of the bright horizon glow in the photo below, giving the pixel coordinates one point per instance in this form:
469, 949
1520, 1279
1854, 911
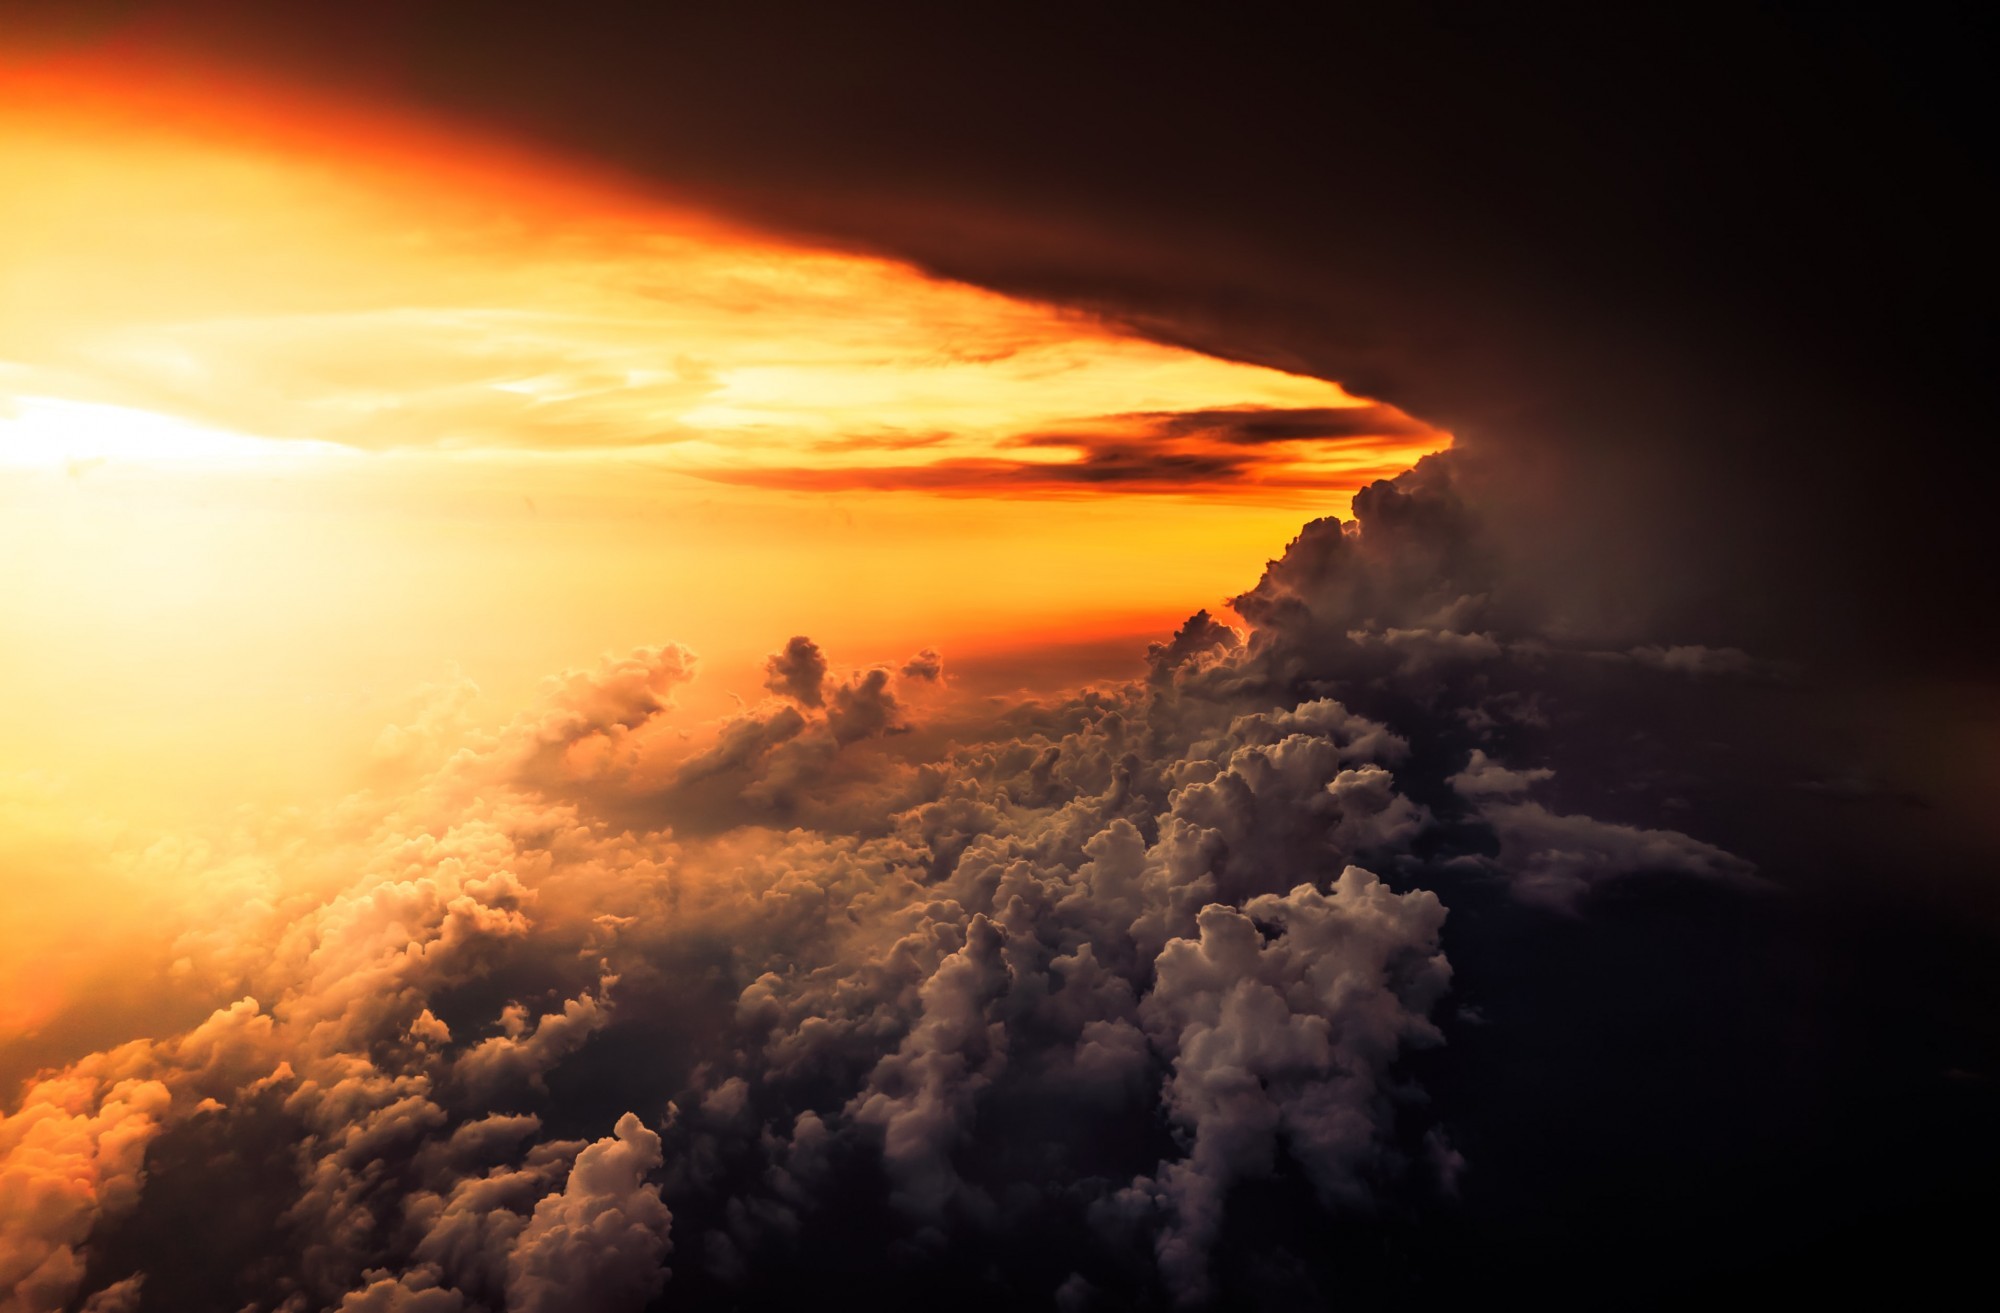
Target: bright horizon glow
392, 296
47, 432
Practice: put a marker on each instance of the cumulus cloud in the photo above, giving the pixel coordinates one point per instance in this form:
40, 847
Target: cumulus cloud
1110, 957
1202, 635
71, 1156
522, 1052
925, 665
598, 1243
1281, 1021
797, 671
589, 722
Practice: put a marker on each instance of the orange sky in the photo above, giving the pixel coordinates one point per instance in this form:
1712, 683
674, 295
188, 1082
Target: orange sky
301, 414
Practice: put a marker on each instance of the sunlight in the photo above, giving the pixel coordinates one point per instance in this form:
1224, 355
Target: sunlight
50, 433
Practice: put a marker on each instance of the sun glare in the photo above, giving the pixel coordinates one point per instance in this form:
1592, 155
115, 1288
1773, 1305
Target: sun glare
298, 416
393, 295
50, 433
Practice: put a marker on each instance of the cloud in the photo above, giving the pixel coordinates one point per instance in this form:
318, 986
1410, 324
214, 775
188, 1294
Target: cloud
1696, 661
599, 1242
1672, 371
1257, 425
1685, 401
1203, 635
1484, 777
119, 1297
1103, 465
797, 672
413, 1292
1239, 450
72, 1155
1282, 1021
1554, 860
925, 665
590, 723
864, 707
1112, 956
523, 1053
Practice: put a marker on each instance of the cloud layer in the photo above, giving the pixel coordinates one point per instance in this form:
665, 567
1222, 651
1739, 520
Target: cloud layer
604, 1000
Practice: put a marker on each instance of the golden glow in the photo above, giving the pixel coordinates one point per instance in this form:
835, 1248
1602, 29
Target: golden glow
74, 435
299, 414
381, 299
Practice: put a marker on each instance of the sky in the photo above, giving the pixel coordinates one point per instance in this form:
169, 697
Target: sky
677, 658
304, 417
